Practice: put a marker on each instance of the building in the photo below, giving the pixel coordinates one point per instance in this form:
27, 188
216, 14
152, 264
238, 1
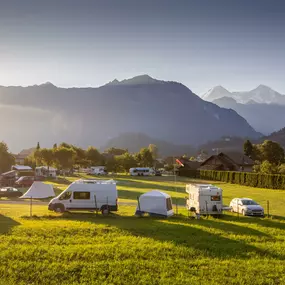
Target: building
20, 157
23, 170
187, 167
232, 161
44, 171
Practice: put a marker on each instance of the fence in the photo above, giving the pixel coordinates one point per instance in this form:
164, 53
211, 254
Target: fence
270, 181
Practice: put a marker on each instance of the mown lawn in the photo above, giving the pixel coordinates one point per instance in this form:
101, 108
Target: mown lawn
122, 249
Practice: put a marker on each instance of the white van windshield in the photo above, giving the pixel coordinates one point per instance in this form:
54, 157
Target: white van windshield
65, 196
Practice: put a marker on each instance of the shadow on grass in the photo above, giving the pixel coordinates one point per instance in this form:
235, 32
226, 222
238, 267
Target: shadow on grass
146, 185
6, 224
277, 222
181, 232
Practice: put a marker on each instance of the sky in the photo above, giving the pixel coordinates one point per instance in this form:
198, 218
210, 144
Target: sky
234, 43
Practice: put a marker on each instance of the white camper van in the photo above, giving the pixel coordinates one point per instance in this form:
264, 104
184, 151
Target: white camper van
97, 170
87, 195
204, 199
141, 171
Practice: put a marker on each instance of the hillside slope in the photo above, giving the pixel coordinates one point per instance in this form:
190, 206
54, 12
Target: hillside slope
164, 110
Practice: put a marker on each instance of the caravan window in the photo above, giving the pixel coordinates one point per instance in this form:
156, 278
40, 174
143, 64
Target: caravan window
65, 196
168, 204
215, 198
81, 195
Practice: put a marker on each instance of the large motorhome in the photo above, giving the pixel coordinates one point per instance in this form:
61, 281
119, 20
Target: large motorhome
204, 199
88, 195
141, 171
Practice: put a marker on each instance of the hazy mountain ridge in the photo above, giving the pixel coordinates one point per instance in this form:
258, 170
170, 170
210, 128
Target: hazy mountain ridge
135, 141
265, 118
164, 110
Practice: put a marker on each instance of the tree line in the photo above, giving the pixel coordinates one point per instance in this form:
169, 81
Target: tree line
269, 156
67, 157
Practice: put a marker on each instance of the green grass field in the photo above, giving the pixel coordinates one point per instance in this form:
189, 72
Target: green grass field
86, 248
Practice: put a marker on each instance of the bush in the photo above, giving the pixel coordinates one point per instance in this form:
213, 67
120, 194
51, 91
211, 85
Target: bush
270, 181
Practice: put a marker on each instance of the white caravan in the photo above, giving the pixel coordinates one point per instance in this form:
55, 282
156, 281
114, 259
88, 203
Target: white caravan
87, 195
141, 171
204, 199
155, 202
97, 170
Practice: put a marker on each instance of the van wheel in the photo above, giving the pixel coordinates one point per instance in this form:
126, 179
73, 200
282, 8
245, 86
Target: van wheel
105, 210
59, 208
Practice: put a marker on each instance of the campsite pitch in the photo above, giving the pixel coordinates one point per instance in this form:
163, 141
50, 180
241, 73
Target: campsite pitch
85, 248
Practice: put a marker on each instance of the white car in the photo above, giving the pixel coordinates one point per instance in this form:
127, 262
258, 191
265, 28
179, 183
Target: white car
246, 207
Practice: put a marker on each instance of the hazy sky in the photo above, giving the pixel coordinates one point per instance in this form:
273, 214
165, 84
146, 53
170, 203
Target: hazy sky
238, 44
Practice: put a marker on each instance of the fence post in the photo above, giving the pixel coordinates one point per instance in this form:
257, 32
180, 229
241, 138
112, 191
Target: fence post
237, 211
207, 209
31, 205
267, 209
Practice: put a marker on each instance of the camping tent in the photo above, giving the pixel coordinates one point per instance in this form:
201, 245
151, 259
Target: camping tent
155, 202
39, 190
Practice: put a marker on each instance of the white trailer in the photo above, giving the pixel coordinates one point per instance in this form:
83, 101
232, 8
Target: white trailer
204, 199
97, 170
87, 195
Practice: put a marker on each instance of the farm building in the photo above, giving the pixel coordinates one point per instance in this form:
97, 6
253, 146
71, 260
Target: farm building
21, 156
232, 161
45, 171
186, 166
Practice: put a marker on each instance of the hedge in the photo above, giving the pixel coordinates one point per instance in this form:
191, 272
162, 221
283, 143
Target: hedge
270, 181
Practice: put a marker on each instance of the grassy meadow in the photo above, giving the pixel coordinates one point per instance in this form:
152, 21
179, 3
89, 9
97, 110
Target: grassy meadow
85, 248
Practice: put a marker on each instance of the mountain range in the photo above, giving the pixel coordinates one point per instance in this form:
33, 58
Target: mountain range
261, 94
263, 108
163, 110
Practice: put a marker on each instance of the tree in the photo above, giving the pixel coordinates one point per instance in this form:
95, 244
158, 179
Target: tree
54, 146
112, 164
126, 161
30, 161
65, 157
272, 152
6, 158
154, 150
38, 146
281, 169
80, 158
248, 148
267, 168
47, 156
116, 151
66, 145
94, 156
144, 158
